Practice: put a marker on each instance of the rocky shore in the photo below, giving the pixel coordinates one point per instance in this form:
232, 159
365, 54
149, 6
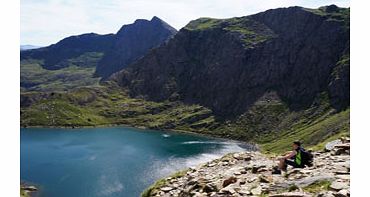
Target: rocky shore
26, 190
250, 174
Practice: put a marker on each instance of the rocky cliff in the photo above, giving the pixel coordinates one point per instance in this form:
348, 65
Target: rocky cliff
229, 64
132, 42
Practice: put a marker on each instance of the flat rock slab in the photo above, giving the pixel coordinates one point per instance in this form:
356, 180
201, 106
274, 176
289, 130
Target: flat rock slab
291, 194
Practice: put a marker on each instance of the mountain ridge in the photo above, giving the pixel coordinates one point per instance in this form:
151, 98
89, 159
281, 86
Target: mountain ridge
227, 64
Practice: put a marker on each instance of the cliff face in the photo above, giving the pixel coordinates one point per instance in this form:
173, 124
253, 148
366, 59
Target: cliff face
229, 64
132, 42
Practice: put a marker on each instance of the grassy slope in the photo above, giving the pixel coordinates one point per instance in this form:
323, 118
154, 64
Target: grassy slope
273, 125
249, 31
34, 77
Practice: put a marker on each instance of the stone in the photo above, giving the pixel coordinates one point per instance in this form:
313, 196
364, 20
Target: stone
211, 164
252, 179
342, 193
166, 189
264, 179
345, 146
227, 190
210, 187
229, 181
255, 168
330, 145
291, 194
257, 190
244, 192
30, 188
337, 186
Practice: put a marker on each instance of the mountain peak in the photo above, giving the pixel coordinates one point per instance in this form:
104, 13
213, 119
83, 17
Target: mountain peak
133, 41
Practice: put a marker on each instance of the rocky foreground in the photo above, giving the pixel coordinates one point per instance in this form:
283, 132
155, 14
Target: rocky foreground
250, 174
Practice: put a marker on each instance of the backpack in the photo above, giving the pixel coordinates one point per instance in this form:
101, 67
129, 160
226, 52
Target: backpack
307, 157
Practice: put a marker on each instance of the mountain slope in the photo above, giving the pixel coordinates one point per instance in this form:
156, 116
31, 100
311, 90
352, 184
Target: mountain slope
228, 64
28, 47
57, 56
91, 54
132, 42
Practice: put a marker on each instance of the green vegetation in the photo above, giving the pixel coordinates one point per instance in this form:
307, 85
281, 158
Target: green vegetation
203, 23
249, 31
36, 78
339, 14
317, 186
269, 123
161, 182
109, 105
23, 193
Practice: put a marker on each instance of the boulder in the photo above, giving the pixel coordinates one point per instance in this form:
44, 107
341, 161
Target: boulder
330, 145
257, 191
229, 181
337, 185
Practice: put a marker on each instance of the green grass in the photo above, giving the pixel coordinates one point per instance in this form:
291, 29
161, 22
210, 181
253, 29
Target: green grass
247, 30
23, 193
313, 135
36, 78
95, 106
271, 124
317, 187
341, 15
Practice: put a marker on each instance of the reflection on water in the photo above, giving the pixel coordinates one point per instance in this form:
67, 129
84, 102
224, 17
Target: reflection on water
110, 161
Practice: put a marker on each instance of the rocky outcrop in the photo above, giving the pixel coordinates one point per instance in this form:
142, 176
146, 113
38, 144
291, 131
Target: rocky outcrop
250, 174
132, 42
228, 64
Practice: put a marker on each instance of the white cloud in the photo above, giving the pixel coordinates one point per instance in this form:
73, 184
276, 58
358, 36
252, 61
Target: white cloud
44, 22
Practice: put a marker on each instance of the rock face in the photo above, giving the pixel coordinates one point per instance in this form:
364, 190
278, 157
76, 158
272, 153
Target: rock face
232, 175
109, 53
56, 56
228, 64
132, 42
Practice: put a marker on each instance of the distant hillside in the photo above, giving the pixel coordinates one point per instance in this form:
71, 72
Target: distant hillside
28, 47
103, 53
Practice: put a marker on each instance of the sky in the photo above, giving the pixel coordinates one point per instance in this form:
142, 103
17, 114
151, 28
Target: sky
45, 22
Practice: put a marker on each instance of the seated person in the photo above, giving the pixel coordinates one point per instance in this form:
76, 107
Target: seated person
294, 158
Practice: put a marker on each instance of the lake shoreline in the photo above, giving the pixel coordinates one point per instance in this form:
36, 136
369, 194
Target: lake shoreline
249, 144
69, 147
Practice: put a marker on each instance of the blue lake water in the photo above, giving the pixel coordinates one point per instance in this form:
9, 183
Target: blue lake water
110, 161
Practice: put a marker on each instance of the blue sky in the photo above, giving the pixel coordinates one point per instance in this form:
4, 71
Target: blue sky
44, 22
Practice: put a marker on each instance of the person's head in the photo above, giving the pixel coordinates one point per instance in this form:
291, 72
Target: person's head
296, 144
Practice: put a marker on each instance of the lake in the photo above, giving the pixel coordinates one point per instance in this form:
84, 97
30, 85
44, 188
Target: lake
116, 161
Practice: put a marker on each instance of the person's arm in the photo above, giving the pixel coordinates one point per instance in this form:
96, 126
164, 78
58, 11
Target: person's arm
292, 154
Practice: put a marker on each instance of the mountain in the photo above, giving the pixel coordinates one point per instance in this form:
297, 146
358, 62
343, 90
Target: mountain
132, 42
270, 78
80, 60
59, 55
292, 55
28, 47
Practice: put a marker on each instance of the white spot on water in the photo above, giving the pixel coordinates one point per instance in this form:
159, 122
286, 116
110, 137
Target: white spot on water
165, 135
